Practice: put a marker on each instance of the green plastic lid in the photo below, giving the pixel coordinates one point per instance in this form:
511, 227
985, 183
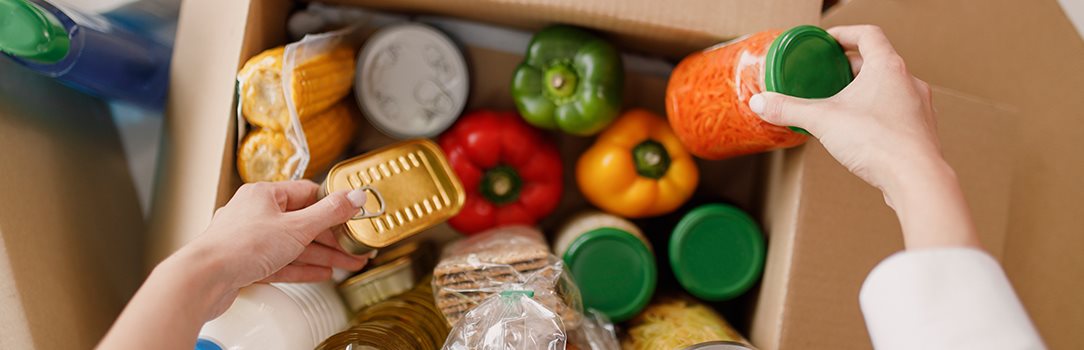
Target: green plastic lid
717, 252
806, 62
27, 31
614, 270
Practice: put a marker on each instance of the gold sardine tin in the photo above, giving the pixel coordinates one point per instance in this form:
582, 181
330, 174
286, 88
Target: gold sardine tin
413, 180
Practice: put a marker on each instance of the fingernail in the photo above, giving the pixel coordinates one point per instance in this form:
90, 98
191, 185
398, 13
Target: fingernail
339, 275
357, 198
756, 103
373, 254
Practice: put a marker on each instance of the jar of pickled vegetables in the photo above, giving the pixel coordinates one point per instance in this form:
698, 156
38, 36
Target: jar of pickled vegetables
707, 99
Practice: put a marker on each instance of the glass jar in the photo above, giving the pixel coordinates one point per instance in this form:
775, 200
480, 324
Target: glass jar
707, 98
717, 252
611, 262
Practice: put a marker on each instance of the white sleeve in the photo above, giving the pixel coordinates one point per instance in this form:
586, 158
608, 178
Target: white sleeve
947, 298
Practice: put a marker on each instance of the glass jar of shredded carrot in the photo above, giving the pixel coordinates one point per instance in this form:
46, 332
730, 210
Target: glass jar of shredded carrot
707, 99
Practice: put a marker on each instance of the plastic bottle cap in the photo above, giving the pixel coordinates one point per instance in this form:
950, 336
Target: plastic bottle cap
27, 31
806, 62
205, 344
614, 270
717, 252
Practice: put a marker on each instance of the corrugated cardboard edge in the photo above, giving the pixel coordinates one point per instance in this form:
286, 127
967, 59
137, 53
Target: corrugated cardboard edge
1025, 54
16, 327
841, 228
198, 130
780, 220
648, 25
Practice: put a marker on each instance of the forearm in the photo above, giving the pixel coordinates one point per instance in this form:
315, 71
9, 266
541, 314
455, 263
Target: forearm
930, 205
170, 308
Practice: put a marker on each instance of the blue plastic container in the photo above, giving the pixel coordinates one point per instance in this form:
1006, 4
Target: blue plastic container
85, 51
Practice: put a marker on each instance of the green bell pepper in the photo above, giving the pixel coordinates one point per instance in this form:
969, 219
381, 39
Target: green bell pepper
570, 80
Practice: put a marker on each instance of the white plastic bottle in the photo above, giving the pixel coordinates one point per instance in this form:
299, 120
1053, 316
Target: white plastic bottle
277, 316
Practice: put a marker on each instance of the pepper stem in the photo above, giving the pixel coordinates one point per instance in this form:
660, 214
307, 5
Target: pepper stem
560, 81
501, 185
651, 159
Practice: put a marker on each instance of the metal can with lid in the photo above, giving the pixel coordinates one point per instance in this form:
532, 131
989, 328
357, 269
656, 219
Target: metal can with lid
408, 321
411, 81
393, 272
720, 345
611, 261
425, 191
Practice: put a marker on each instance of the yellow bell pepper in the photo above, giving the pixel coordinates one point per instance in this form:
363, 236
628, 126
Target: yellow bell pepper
637, 168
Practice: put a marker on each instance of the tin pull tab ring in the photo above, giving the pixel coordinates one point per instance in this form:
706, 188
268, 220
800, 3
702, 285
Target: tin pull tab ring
365, 214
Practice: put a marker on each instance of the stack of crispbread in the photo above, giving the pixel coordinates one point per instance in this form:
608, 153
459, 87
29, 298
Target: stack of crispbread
477, 268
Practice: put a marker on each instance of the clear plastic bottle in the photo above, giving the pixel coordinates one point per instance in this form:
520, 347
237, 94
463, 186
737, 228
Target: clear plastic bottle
276, 316
85, 51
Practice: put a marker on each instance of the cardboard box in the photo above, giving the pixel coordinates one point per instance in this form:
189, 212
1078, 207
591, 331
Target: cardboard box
826, 228
71, 231
1028, 57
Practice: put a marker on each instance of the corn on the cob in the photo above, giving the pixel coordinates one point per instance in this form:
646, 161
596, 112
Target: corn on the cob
328, 135
265, 152
260, 84
264, 155
316, 84
320, 82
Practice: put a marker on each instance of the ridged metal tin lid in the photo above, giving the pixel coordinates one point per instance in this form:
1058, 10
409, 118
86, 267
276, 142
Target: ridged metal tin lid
426, 193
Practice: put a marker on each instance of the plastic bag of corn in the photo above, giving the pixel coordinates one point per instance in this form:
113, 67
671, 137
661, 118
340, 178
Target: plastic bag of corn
292, 96
267, 155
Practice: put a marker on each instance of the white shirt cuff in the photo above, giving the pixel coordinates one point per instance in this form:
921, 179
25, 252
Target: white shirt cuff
946, 298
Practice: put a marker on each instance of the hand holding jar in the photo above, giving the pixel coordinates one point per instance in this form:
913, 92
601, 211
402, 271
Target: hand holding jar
882, 127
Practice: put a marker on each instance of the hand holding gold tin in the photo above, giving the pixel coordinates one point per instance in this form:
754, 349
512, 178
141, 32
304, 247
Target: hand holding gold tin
411, 188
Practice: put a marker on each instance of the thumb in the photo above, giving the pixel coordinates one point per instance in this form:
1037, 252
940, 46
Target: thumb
784, 110
334, 209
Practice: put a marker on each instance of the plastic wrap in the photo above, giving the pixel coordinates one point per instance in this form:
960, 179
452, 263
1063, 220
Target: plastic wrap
503, 289
291, 91
513, 320
508, 258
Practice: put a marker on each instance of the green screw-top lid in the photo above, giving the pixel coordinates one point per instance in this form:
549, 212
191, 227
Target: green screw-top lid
27, 31
806, 62
717, 252
615, 271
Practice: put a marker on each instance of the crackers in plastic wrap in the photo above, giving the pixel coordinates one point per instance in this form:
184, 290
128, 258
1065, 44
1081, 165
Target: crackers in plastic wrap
507, 258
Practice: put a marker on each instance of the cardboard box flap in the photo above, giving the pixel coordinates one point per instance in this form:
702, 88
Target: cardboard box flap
647, 25
830, 228
71, 229
1028, 55
198, 133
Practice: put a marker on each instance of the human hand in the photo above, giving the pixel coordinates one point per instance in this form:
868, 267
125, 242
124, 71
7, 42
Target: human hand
881, 126
274, 232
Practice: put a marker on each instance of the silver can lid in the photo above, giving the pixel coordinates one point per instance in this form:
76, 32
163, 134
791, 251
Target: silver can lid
412, 81
719, 345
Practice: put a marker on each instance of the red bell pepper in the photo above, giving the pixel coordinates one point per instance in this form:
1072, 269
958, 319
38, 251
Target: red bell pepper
511, 172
